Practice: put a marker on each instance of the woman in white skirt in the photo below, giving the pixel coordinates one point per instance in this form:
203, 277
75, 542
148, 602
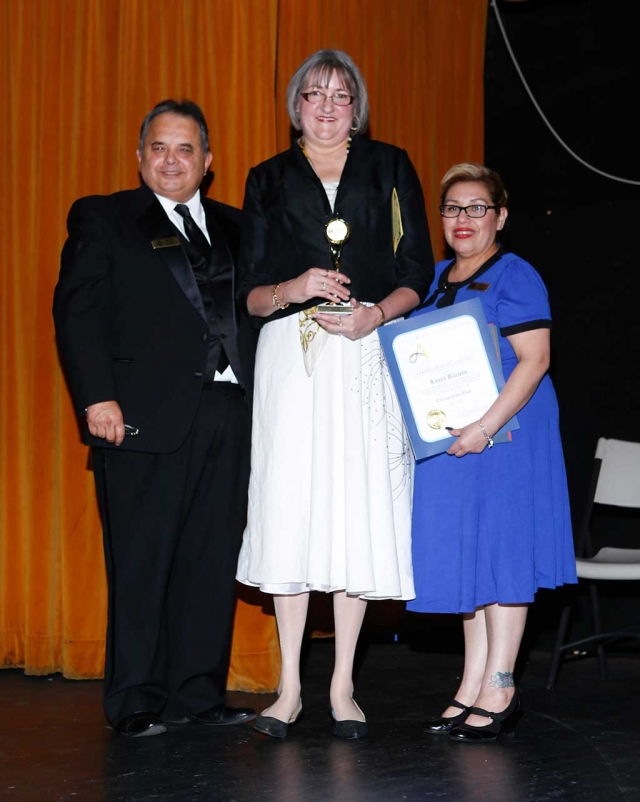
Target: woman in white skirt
336, 219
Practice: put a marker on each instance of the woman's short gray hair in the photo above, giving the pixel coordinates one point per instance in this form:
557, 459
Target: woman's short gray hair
321, 66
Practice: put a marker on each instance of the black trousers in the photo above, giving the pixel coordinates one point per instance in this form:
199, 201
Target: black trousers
172, 528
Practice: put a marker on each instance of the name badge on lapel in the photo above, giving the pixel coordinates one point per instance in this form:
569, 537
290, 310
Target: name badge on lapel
480, 286
170, 242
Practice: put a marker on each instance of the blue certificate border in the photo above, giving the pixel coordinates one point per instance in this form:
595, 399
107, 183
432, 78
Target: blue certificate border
473, 308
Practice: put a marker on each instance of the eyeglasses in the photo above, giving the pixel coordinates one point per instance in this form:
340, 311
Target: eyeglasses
477, 210
339, 98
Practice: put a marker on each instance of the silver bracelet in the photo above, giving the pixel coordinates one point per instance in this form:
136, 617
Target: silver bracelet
486, 436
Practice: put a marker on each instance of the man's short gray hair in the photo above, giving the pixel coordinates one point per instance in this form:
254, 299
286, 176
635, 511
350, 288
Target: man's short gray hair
184, 108
320, 66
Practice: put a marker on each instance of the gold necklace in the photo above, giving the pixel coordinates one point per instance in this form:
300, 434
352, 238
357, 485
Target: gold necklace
308, 158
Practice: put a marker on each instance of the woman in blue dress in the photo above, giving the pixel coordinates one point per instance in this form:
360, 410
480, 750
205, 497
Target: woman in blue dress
491, 525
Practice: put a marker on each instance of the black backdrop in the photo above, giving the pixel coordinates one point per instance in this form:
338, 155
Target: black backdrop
582, 233
579, 229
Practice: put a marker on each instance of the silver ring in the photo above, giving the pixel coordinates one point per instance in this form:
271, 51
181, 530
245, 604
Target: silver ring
324, 286
339, 321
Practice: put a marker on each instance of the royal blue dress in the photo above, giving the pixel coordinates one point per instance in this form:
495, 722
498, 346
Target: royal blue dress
495, 526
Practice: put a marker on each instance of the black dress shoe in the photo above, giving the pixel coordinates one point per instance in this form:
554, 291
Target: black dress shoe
441, 725
222, 716
504, 723
140, 724
275, 727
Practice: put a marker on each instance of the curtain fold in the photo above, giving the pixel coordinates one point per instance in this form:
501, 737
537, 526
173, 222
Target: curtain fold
78, 76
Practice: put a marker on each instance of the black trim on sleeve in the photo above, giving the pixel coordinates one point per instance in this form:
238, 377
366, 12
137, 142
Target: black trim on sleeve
530, 325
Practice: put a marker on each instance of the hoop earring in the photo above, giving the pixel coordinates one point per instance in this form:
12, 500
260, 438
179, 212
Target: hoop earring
354, 127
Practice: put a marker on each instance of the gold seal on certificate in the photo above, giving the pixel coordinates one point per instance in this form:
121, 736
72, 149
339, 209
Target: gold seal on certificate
436, 419
337, 233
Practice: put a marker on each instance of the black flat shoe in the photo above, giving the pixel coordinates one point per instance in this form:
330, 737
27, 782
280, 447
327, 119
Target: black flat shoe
223, 716
504, 723
350, 730
275, 727
139, 725
441, 725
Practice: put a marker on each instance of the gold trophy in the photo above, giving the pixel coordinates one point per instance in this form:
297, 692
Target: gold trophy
337, 233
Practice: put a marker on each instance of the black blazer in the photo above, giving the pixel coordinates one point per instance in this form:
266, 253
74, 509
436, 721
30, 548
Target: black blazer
286, 208
129, 320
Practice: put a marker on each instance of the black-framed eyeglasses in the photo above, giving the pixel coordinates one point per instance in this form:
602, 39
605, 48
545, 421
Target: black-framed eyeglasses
475, 210
315, 96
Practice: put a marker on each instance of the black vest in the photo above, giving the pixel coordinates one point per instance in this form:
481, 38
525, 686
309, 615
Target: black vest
215, 284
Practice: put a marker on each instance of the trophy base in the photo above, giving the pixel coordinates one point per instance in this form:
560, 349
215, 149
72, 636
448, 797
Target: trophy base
335, 309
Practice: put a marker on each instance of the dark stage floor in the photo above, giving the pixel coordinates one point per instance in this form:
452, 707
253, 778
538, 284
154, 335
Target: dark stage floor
579, 742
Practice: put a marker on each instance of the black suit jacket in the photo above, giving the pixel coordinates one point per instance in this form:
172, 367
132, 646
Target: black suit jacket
129, 319
286, 209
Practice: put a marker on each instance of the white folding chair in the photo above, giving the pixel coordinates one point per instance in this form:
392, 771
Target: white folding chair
615, 481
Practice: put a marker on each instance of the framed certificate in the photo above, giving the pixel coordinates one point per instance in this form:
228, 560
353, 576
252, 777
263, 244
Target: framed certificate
446, 370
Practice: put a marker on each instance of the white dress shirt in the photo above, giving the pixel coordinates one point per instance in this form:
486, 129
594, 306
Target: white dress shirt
195, 208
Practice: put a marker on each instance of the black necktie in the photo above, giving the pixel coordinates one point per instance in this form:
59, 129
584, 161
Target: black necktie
193, 232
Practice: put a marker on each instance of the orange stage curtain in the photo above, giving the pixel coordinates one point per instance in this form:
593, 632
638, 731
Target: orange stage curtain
79, 75
77, 78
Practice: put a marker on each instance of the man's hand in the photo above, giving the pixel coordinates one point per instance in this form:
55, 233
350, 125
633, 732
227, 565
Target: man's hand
105, 420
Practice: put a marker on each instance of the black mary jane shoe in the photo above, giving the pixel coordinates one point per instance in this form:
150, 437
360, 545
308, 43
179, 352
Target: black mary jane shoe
441, 725
139, 725
275, 727
503, 723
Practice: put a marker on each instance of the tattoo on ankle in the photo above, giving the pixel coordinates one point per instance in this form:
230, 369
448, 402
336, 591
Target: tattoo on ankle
502, 680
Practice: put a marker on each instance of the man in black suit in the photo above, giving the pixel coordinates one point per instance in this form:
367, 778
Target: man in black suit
159, 361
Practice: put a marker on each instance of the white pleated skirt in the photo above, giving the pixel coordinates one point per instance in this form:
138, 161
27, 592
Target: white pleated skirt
331, 472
